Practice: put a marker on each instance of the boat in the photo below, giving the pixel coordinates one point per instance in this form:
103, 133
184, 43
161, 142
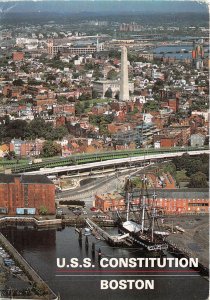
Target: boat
87, 231
144, 229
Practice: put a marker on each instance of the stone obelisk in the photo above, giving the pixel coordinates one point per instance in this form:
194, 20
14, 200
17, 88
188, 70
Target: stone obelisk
124, 89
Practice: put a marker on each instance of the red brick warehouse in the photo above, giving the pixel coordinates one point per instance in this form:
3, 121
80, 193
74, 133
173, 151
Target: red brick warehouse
26, 194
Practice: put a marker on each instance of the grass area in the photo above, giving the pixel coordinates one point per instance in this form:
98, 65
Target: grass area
181, 176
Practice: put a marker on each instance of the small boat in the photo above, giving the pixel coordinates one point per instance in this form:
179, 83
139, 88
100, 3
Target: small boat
87, 231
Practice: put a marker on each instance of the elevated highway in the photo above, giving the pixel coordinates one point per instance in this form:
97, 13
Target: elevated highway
116, 162
94, 157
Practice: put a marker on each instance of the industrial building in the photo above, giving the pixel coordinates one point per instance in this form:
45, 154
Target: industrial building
26, 194
169, 201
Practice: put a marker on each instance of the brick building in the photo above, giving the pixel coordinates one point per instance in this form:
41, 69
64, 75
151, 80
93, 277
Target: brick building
111, 202
17, 56
26, 194
26, 148
173, 201
65, 108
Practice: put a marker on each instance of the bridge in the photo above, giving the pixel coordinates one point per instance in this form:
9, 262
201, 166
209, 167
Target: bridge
121, 158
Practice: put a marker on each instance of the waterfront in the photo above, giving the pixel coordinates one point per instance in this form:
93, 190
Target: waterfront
41, 248
176, 51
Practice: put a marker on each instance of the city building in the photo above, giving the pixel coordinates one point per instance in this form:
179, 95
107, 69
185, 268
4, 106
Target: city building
26, 194
102, 86
130, 27
111, 202
197, 140
169, 201
63, 47
26, 148
17, 56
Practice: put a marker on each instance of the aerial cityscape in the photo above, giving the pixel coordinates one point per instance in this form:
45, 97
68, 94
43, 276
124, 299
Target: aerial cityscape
104, 150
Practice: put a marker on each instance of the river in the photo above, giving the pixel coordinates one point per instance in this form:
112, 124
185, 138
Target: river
41, 248
176, 48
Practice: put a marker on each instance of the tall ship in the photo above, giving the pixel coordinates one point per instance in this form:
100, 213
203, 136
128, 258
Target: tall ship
142, 225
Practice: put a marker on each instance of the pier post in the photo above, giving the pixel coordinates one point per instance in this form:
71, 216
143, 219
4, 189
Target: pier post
80, 235
86, 243
99, 256
93, 249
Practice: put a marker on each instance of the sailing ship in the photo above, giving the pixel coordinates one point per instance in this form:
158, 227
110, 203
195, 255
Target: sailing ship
142, 224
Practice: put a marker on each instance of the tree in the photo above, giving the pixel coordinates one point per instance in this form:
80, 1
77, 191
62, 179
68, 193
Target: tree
79, 108
43, 210
151, 106
16, 129
84, 97
18, 82
51, 149
94, 94
62, 100
108, 93
112, 74
10, 155
192, 166
198, 180
114, 54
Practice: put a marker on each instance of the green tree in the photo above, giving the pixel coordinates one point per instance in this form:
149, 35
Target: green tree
18, 82
84, 97
43, 210
94, 94
51, 149
38, 128
114, 54
198, 180
79, 108
112, 75
16, 129
10, 155
151, 106
108, 93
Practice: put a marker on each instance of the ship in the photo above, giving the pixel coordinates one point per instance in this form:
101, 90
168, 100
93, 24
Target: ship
142, 224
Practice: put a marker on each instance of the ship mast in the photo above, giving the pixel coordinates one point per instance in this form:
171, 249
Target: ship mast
128, 196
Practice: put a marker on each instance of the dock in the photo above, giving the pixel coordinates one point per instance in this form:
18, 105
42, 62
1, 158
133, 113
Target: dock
28, 270
111, 240
39, 223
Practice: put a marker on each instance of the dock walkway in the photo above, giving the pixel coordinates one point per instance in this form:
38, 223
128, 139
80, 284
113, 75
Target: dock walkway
112, 240
29, 271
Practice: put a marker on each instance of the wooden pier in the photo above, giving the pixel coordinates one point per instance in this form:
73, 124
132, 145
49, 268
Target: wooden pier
112, 240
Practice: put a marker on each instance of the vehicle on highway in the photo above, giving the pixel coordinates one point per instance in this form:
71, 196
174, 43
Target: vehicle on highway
93, 209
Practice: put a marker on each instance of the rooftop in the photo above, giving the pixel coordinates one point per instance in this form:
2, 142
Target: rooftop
10, 178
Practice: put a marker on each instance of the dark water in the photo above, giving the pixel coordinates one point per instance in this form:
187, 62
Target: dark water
41, 248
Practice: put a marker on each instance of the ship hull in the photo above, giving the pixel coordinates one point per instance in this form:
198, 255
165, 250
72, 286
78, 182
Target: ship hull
147, 244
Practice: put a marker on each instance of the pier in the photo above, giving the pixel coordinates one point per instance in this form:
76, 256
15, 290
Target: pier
111, 240
38, 223
28, 270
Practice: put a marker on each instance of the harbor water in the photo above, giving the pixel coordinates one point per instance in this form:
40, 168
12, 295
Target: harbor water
42, 248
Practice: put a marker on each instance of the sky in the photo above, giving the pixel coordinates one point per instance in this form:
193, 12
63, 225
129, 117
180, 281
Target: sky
75, 6
200, 1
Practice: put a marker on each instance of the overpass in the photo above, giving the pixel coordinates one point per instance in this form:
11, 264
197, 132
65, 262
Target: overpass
94, 157
145, 158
